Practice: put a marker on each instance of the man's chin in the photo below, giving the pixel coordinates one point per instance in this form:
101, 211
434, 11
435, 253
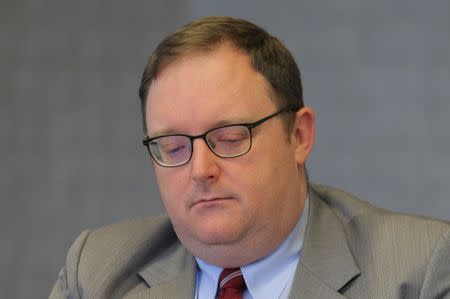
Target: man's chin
218, 238
211, 238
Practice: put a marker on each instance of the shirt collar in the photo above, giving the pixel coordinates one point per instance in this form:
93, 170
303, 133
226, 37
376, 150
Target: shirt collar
269, 276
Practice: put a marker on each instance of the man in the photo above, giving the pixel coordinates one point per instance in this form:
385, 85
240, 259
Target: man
229, 135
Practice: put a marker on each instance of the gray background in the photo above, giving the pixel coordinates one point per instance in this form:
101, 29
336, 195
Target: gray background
376, 72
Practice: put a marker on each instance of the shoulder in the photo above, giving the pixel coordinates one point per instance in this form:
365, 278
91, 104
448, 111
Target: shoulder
371, 231
350, 209
100, 259
141, 230
391, 248
127, 239
368, 223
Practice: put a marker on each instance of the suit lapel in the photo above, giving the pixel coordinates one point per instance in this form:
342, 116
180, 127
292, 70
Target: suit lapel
171, 276
326, 264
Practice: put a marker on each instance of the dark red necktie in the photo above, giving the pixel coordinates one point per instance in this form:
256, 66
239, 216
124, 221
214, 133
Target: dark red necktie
231, 284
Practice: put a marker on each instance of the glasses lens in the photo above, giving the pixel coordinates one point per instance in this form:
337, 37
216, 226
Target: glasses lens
231, 141
171, 150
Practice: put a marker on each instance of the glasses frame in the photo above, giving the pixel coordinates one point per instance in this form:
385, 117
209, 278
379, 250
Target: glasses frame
249, 127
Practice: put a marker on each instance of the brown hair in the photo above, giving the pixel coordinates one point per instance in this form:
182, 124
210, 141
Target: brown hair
267, 54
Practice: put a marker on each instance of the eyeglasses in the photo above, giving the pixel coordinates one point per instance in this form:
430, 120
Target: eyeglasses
227, 141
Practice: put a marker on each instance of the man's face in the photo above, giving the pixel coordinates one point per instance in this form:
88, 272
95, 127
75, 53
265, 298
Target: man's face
226, 208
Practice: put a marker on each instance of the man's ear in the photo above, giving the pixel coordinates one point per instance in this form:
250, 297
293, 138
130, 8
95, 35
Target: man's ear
302, 135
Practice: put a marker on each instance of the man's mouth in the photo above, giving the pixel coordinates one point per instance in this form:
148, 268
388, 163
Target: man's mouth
211, 200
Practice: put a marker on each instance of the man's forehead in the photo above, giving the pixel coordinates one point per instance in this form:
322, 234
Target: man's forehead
199, 53
223, 69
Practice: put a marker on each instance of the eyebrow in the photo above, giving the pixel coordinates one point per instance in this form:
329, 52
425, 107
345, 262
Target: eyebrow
240, 120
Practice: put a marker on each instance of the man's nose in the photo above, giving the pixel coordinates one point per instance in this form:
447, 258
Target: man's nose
204, 163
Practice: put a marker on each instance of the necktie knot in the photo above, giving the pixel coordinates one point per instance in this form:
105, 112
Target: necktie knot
231, 284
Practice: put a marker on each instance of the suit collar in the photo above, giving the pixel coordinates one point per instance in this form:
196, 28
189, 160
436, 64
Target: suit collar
172, 275
326, 264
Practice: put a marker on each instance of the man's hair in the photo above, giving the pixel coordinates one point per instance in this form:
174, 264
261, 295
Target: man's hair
267, 54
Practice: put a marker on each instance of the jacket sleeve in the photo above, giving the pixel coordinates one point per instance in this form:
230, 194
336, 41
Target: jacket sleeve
437, 279
66, 286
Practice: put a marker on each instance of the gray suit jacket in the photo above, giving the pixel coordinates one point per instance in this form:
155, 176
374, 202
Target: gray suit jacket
351, 250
